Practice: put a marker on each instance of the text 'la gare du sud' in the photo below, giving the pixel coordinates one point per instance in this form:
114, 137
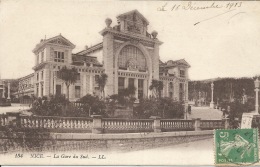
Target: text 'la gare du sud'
170, 6
81, 156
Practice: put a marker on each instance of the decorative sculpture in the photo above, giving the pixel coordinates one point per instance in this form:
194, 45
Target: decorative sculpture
154, 34
108, 22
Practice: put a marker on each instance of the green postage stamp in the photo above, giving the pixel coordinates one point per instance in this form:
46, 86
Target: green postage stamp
236, 146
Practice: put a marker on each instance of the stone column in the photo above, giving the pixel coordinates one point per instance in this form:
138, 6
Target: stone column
166, 88
226, 123
54, 84
187, 90
40, 90
136, 87
155, 60
71, 91
186, 107
108, 54
8, 98
87, 84
145, 88
97, 124
197, 124
126, 82
51, 82
91, 86
156, 124
84, 84
3, 95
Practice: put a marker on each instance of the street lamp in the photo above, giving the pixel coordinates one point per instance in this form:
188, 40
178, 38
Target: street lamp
256, 95
212, 102
199, 98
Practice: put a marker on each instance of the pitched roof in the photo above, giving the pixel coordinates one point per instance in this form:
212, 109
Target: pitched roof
90, 49
170, 63
43, 42
86, 59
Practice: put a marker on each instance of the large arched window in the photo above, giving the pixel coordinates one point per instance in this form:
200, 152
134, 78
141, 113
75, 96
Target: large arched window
131, 57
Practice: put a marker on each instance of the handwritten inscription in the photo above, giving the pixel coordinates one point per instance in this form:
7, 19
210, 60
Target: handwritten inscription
193, 6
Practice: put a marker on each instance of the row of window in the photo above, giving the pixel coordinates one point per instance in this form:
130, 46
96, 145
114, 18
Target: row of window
140, 88
132, 57
58, 57
77, 90
131, 75
82, 70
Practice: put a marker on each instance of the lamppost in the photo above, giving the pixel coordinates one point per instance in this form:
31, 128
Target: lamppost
256, 95
212, 102
186, 104
199, 98
8, 95
3, 95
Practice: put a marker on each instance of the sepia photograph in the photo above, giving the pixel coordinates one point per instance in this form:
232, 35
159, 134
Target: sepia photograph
129, 82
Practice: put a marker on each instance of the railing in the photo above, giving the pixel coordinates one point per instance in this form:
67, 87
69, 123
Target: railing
57, 124
26, 101
177, 125
76, 104
127, 125
108, 125
211, 124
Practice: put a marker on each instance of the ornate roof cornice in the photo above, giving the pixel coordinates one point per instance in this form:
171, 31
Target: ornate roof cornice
129, 35
39, 66
133, 11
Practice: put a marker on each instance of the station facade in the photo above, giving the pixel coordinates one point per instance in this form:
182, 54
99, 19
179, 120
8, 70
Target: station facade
128, 54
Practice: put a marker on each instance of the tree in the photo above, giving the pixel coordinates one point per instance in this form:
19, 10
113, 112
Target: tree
102, 80
69, 76
93, 105
157, 87
55, 106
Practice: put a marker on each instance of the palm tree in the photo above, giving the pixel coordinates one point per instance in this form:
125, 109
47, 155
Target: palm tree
157, 87
69, 76
102, 80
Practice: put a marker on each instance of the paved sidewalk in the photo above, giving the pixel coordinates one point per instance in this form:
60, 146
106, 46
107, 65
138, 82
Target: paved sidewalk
205, 113
193, 153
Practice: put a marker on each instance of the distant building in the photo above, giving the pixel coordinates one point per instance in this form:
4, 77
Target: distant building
128, 54
25, 86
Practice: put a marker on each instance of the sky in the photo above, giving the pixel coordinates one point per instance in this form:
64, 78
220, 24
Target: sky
225, 42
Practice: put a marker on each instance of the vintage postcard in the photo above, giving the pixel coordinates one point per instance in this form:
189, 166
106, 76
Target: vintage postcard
129, 82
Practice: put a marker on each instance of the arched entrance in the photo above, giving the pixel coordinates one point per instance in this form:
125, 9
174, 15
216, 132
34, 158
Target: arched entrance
133, 71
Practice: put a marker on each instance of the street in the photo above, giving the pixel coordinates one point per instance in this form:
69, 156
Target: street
205, 113
13, 108
194, 153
